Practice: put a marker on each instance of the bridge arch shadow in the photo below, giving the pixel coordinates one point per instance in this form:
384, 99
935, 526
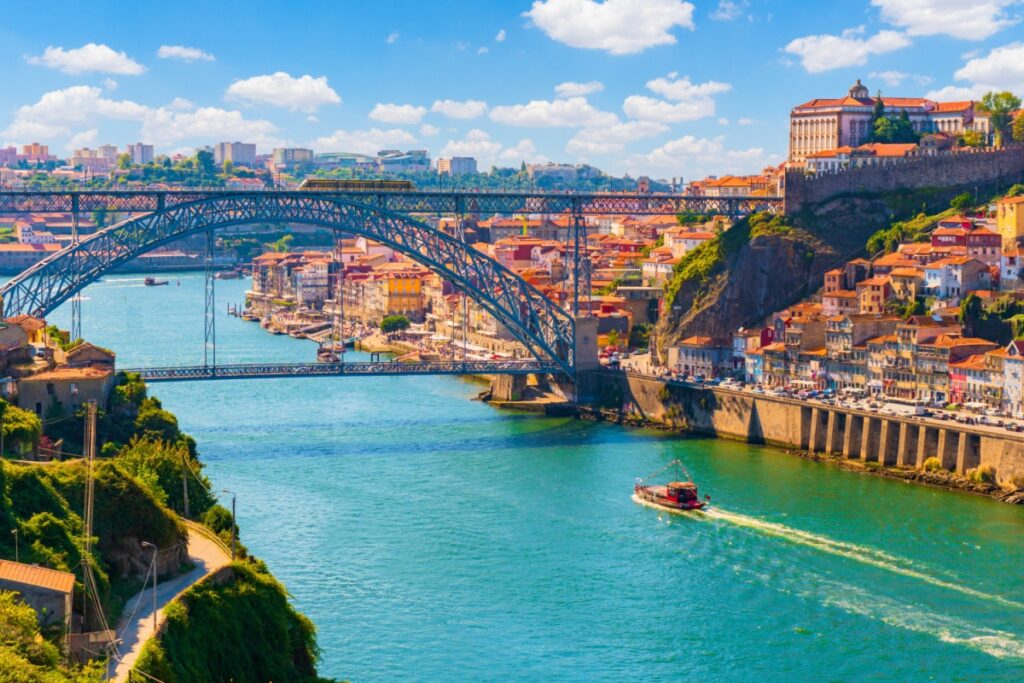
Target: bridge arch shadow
544, 328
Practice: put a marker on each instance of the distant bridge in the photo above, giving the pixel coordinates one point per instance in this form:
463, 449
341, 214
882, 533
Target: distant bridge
359, 369
406, 202
392, 218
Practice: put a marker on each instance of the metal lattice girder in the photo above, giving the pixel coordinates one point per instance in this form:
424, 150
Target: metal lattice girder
359, 369
544, 328
486, 203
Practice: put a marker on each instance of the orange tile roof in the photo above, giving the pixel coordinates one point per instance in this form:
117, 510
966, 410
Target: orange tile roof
69, 374
41, 577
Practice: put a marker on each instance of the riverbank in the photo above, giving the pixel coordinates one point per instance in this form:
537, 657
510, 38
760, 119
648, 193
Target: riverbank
676, 423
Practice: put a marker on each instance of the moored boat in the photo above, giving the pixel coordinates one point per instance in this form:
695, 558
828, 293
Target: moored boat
679, 494
326, 355
153, 282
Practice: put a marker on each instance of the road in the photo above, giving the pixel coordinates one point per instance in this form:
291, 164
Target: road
208, 556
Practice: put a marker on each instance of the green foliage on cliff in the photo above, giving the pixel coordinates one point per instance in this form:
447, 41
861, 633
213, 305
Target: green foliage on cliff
243, 627
913, 230
165, 468
702, 263
1000, 321
26, 657
43, 504
21, 428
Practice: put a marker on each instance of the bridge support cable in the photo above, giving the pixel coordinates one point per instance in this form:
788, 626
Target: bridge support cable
210, 319
580, 264
460, 235
76, 300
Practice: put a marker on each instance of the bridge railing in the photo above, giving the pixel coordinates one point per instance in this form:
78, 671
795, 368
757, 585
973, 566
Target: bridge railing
361, 368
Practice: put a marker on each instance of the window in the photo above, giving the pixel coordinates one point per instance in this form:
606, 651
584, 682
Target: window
49, 389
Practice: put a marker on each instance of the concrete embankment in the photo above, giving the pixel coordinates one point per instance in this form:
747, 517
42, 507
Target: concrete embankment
868, 440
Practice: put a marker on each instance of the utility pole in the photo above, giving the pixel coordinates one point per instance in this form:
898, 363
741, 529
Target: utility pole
147, 544
17, 558
90, 452
184, 480
234, 525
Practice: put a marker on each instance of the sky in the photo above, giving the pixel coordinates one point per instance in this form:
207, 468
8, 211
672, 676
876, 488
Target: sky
666, 88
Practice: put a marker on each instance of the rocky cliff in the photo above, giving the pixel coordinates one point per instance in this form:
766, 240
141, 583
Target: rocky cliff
763, 264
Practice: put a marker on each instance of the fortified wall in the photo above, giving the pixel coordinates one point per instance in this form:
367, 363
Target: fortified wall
960, 169
787, 423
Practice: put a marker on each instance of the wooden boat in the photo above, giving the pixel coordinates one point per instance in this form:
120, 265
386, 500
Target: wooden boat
153, 282
326, 355
679, 494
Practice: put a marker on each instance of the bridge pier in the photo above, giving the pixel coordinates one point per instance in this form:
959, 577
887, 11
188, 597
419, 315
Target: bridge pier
869, 440
946, 454
833, 435
906, 451
852, 436
968, 452
888, 450
927, 445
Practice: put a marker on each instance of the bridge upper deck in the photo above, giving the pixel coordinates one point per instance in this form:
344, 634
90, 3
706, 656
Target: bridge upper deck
406, 202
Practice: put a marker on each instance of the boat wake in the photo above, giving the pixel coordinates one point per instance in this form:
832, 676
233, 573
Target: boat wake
859, 553
995, 643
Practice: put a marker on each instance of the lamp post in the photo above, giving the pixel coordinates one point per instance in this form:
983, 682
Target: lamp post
147, 544
233, 523
16, 556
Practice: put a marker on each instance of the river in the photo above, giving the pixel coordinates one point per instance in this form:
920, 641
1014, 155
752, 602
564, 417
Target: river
431, 537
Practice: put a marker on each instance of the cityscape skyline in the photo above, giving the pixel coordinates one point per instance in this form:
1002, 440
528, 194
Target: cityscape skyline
622, 85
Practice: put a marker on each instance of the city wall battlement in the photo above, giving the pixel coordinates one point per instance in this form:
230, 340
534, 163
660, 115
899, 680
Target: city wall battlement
962, 169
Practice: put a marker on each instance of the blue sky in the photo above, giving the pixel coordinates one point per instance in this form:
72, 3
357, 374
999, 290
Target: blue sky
668, 88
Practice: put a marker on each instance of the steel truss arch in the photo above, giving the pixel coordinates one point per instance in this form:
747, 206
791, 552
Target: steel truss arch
546, 330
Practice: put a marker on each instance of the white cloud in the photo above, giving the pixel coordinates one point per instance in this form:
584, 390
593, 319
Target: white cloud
364, 141
612, 139
500, 38
477, 144
681, 89
691, 101
729, 10
967, 20
1002, 68
57, 110
746, 121
723, 121
894, 79
619, 27
825, 52
205, 125
109, 84
91, 57
524, 151
461, 45
392, 38
957, 93
455, 109
181, 104
572, 111
482, 50
280, 89
427, 130
574, 89
696, 157
79, 104
405, 114
187, 54
487, 151
83, 139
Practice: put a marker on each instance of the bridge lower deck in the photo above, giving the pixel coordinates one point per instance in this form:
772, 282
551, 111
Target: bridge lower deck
363, 369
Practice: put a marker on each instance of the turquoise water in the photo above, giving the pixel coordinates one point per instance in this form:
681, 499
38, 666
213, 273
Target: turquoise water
431, 537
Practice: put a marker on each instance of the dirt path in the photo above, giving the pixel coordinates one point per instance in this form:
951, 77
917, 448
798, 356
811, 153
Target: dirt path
208, 556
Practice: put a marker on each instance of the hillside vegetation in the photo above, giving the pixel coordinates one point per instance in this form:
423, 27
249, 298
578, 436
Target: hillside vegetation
237, 626
765, 263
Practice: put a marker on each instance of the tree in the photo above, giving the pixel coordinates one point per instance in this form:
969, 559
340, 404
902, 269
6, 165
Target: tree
394, 323
204, 162
124, 161
228, 167
961, 201
999, 106
972, 138
1018, 128
613, 338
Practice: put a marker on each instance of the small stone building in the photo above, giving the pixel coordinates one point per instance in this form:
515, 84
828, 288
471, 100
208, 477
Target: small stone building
47, 591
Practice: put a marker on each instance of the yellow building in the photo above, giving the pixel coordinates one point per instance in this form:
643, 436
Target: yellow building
1010, 220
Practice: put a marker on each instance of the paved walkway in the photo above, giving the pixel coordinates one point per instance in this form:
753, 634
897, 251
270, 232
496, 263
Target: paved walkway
208, 556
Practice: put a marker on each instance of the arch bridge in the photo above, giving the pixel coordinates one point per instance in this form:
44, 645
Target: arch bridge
545, 329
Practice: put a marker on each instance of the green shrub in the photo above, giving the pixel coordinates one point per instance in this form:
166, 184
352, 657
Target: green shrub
986, 474
932, 464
